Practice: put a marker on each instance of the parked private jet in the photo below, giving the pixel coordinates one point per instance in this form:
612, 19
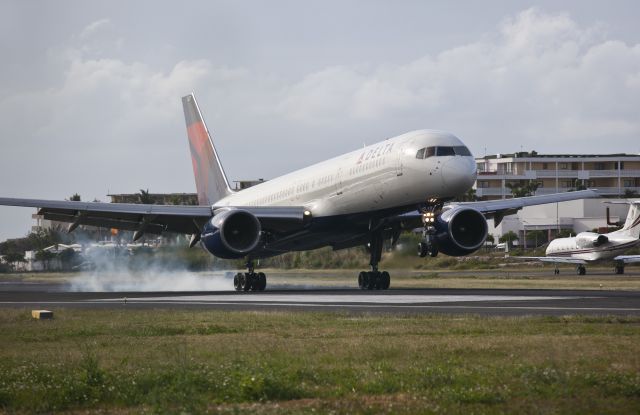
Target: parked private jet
590, 247
361, 198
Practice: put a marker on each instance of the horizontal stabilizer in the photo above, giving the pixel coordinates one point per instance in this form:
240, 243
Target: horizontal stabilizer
627, 259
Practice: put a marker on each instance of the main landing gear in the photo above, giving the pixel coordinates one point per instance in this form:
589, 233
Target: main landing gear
250, 281
374, 279
582, 270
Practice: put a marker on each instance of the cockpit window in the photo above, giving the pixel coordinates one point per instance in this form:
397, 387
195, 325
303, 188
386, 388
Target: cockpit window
424, 153
445, 151
462, 151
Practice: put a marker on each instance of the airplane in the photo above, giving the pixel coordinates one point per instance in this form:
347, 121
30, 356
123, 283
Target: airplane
362, 198
590, 247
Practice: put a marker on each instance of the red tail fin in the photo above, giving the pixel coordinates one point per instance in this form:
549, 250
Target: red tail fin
211, 181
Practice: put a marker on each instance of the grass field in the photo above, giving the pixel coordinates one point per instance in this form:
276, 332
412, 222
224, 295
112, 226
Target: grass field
132, 361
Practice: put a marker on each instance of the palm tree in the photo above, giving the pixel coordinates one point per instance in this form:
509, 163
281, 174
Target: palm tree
13, 258
470, 196
145, 197
523, 190
508, 237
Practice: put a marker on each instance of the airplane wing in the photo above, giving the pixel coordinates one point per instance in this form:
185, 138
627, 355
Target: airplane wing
154, 219
627, 259
552, 259
498, 209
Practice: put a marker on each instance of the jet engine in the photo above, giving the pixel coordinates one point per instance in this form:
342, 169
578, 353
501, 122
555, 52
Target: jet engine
231, 234
590, 239
460, 231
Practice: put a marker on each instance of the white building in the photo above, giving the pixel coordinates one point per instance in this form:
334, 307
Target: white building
612, 175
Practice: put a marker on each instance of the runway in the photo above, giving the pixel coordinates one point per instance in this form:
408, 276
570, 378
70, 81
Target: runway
499, 302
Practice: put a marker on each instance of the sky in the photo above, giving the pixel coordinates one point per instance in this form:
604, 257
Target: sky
90, 91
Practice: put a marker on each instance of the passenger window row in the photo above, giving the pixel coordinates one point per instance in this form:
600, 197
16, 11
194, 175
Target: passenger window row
426, 152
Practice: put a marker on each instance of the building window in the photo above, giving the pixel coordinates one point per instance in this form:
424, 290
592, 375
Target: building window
483, 184
599, 166
565, 184
628, 182
563, 166
545, 166
621, 165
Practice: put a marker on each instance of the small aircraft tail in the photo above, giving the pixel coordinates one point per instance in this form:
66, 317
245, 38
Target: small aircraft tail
632, 224
211, 181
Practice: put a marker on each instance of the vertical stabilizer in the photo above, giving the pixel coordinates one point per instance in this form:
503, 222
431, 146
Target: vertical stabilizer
211, 182
632, 224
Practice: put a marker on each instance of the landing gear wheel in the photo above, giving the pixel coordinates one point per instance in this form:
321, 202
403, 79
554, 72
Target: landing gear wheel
362, 277
423, 249
374, 280
245, 282
261, 282
368, 280
427, 248
385, 280
619, 269
236, 282
581, 270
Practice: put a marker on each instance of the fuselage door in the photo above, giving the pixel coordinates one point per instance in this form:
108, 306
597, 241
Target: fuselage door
399, 159
338, 181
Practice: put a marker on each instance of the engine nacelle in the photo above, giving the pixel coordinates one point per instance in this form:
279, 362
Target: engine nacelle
590, 239
231, 234
460, 231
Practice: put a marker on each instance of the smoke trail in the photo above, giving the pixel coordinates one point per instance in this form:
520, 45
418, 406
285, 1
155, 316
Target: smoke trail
117, 269
151, 280
141, 268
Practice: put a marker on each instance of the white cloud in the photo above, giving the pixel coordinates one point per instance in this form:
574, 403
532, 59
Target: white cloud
539, 78
94, 27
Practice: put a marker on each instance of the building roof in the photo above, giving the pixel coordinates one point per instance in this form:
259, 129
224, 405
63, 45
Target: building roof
151, 194
534, 154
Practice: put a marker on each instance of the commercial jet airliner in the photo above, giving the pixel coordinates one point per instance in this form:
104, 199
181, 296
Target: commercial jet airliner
361, 198
590, 247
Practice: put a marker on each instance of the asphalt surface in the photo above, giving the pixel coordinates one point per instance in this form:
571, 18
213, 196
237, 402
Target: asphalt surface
502, 302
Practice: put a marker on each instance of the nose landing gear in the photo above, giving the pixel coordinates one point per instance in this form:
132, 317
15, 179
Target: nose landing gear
428, 245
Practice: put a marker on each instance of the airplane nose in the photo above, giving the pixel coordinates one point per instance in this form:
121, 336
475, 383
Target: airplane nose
459, 174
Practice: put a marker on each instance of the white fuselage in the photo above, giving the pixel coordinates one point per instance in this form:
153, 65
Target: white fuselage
380, 176
571, 247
